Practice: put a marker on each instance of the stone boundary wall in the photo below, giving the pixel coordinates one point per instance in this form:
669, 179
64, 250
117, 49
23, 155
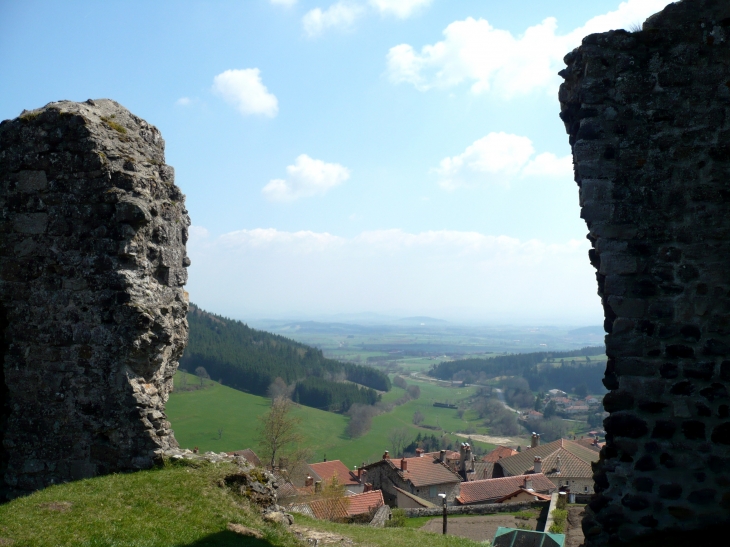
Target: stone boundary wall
648, 115
481, 509
92, 306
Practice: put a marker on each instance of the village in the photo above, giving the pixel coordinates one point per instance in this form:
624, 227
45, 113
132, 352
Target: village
505, 480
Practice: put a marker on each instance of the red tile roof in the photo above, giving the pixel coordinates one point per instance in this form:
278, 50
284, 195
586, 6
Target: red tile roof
325, 470
349, 506
421, 471
499, 453
494, 489
543, 497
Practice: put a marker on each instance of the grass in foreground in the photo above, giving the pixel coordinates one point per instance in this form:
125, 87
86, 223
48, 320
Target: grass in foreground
176, 506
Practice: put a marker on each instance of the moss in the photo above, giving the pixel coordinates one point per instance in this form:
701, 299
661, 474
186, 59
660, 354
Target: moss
29, 116
114, 125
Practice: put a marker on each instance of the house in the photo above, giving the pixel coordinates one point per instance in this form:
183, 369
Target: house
593, 443
482, 470
577, 409
523, 495
248, 455
343, 508
499, 453
566, 463
493, 490
406, 500
425, 477
534, 415
324, 471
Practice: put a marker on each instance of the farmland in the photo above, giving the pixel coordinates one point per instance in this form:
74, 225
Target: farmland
197, 416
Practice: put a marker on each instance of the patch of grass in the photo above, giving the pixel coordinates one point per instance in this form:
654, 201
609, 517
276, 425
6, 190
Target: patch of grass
114, 125
30, 116
196, 417
172, 506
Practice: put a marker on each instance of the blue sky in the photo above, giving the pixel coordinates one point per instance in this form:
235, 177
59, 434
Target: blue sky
392, 156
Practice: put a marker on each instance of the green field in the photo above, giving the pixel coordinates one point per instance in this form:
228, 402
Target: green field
197, 416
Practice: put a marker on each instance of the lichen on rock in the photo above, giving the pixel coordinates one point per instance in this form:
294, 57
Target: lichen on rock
92, 306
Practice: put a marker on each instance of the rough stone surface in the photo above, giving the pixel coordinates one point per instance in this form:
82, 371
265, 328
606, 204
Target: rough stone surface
648, 114
92, 307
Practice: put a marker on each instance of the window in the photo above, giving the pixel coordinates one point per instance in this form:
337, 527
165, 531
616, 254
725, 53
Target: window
433, 491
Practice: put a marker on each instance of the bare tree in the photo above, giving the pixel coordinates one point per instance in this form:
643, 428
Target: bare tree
278, 388
220, 433
398, 439
400, 382
414, 391
201, 373
361, 418
418, 417
278, 430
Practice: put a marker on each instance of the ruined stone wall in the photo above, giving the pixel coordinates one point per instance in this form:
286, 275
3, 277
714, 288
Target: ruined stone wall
92, 310
648, 114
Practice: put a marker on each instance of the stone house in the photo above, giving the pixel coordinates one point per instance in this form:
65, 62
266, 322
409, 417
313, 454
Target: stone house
324, 471
425, 477
566, 463
506, 489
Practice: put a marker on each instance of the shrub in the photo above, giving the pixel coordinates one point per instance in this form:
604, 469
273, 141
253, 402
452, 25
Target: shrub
560, 518
397, 519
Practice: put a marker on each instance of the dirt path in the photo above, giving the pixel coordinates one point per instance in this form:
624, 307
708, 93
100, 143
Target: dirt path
574, 537
476, 528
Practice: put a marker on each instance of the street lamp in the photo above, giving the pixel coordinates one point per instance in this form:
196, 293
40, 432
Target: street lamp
443, 498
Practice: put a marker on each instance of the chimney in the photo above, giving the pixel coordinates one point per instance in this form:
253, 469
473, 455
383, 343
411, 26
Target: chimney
595, 441
419, 452
368, 487
538, 464
442, 455
557, 466
403, 464
318, 487
386, 456
535, 442
359, 474
309, 481
528, 484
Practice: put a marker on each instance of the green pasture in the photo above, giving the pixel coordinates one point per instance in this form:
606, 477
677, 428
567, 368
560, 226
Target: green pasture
196, 417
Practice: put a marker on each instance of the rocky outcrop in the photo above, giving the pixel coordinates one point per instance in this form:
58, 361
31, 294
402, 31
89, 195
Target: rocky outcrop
92, 307
648, 114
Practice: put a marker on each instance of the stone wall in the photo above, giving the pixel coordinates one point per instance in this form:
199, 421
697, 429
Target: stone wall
648, 114
92, 309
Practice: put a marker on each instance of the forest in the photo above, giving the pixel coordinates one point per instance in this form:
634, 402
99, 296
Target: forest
527, 366
251, 360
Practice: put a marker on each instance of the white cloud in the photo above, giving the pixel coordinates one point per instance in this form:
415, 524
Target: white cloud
245, 90
399, 8
339, 16
307, 177
493, 60
287, 3
499, 158
498, 278
184, 101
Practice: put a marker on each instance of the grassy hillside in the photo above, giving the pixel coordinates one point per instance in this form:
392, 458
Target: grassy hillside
196, 417
169, 507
